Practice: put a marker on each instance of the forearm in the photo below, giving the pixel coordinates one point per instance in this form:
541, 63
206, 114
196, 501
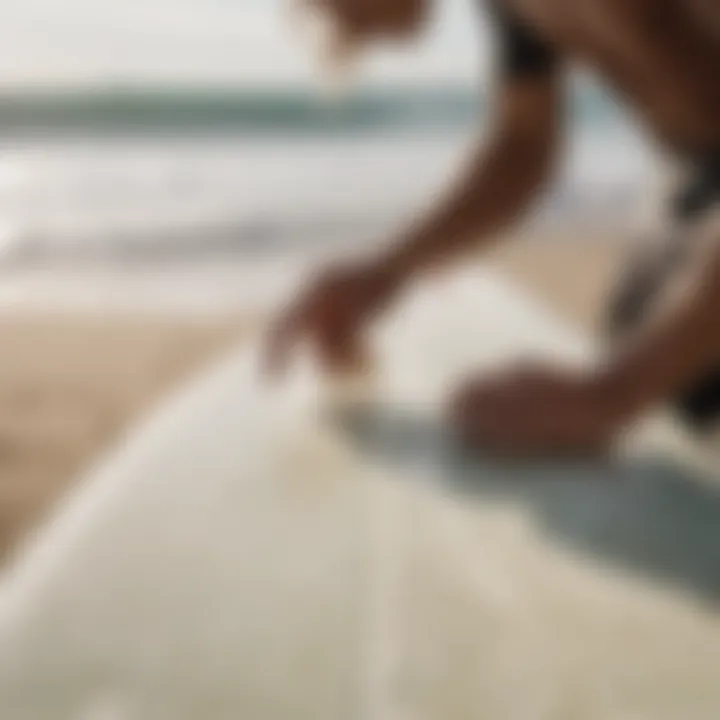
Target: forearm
502, 180
480, 208
664, 361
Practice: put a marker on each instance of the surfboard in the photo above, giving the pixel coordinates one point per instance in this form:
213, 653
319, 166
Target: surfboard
253, 551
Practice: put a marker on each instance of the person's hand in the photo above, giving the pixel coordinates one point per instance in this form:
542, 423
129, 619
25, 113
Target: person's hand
536, 410
332, 314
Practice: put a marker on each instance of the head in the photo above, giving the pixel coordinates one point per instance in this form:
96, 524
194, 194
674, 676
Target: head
349, 26
376, 19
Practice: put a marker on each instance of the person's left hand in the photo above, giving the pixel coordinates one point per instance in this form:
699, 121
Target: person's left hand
537, 410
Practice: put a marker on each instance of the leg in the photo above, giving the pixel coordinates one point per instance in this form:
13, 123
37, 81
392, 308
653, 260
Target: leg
645, 284
643, 293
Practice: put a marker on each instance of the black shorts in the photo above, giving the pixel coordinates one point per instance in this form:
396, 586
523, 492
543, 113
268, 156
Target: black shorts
701, 192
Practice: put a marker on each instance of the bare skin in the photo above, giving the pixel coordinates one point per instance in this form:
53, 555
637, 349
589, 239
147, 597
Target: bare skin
663, 58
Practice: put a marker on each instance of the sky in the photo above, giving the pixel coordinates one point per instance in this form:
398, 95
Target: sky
246, 42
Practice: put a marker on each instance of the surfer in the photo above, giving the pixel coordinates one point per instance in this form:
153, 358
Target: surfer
663, 58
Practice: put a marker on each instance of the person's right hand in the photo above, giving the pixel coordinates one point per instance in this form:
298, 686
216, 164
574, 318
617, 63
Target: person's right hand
332, 314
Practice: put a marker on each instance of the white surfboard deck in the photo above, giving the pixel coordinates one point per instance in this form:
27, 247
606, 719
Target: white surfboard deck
243, 556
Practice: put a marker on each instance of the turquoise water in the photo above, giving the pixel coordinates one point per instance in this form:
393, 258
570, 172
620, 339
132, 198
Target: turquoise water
147, 110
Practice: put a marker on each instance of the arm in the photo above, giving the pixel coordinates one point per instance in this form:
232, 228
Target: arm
502, 179
499, 183
680, 346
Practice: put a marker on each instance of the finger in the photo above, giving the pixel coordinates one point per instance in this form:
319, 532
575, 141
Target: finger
283, 337
498, 427
523, 437
478, 403
338, 351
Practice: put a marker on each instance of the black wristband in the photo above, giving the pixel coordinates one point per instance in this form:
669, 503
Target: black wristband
522, 52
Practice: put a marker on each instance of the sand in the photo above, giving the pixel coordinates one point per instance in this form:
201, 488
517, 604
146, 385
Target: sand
572, 276
70, 386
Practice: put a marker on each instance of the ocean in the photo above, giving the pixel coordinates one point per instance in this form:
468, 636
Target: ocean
120, 180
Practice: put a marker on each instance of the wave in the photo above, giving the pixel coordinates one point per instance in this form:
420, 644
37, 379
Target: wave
191, 242
133, 111
280, 236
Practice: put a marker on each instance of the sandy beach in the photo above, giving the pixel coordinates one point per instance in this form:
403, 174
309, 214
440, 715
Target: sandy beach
71, 385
